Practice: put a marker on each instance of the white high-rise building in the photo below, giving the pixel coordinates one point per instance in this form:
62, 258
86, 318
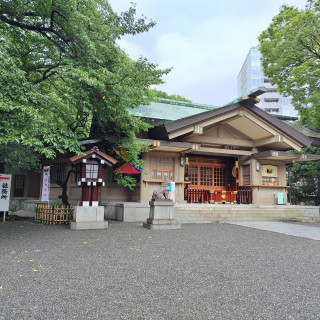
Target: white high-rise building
251, 76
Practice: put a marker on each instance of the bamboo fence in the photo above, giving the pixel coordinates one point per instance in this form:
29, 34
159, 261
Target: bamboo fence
54, 215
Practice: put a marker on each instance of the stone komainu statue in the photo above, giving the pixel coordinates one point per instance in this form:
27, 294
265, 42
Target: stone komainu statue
162, 192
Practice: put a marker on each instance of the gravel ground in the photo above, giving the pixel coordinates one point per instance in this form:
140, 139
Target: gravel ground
203, 271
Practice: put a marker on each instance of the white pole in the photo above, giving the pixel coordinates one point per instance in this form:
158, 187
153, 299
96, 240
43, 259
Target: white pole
4, 216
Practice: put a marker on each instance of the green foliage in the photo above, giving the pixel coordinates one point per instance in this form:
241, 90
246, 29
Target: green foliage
305, 180
162, 94
14, 206
57, 203
63, 77
290, 47
18, 157
130, 150
11, 217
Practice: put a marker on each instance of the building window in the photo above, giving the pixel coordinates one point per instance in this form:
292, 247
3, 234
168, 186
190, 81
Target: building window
193, 175
256, 82
246, 175
162, 168
77, 175
255, 53
92, 171
18, 190
276, 100
266, 80
256, 72
219, 177
272, 90
205, 176
255, 63
272, 110
285, 101
58, 170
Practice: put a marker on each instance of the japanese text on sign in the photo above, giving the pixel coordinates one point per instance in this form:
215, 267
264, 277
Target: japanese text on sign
5, 186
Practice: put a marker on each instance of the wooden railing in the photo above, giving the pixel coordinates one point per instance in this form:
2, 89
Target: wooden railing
197, 196
211, 196
53, 215
244, 196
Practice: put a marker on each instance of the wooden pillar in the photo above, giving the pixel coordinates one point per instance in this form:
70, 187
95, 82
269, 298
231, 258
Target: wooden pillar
186, 178
94, 193
85, 193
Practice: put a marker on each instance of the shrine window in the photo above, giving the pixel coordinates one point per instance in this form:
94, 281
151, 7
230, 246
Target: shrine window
206, 176
92, 171
219, 177
18, 189
246, 175
193, 175
162, 168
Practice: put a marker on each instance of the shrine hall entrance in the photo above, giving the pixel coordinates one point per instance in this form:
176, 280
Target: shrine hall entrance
211, 179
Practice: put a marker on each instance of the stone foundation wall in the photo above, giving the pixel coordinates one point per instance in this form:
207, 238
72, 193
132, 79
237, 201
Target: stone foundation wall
203, 213
193, 213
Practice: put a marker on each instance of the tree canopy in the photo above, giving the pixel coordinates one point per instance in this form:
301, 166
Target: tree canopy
64, 77
290, 48
305, 180
162, 94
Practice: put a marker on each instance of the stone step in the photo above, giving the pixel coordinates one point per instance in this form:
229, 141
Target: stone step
213, 213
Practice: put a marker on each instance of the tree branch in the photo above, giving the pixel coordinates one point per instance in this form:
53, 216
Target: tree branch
39, 29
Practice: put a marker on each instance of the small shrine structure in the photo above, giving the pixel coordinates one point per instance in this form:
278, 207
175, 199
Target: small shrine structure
92, 163
89, 214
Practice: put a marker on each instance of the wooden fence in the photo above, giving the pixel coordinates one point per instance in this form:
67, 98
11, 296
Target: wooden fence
53, 215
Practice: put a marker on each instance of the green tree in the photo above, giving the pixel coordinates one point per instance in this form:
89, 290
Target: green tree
290, 48
305, 180
162, 94
63, 77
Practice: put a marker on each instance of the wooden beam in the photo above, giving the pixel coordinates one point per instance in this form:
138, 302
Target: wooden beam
225, 151
204, 123
221, 141
292, 143
269, 140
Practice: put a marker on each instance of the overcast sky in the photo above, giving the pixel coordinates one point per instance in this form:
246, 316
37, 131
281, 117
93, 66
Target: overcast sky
205, 41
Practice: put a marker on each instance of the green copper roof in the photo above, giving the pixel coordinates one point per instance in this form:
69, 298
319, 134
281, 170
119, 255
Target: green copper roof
307, 132
170, 110
252, 94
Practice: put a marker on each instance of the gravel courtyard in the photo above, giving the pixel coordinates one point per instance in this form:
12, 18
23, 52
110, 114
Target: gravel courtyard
203, 271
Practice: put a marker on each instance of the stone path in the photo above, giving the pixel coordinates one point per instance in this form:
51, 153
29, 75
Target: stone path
285, 228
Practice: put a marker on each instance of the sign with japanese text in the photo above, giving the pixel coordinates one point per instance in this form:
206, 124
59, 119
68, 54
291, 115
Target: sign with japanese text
5, 186
45, 184
269, 171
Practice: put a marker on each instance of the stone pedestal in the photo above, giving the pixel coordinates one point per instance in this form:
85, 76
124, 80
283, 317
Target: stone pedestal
86, 218
161, 216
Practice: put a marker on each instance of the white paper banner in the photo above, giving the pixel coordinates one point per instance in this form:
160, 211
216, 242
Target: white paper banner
5, 186
45, 184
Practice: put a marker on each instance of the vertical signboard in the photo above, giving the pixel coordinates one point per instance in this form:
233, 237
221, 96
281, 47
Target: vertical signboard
5, 186
45, 184
172, 191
